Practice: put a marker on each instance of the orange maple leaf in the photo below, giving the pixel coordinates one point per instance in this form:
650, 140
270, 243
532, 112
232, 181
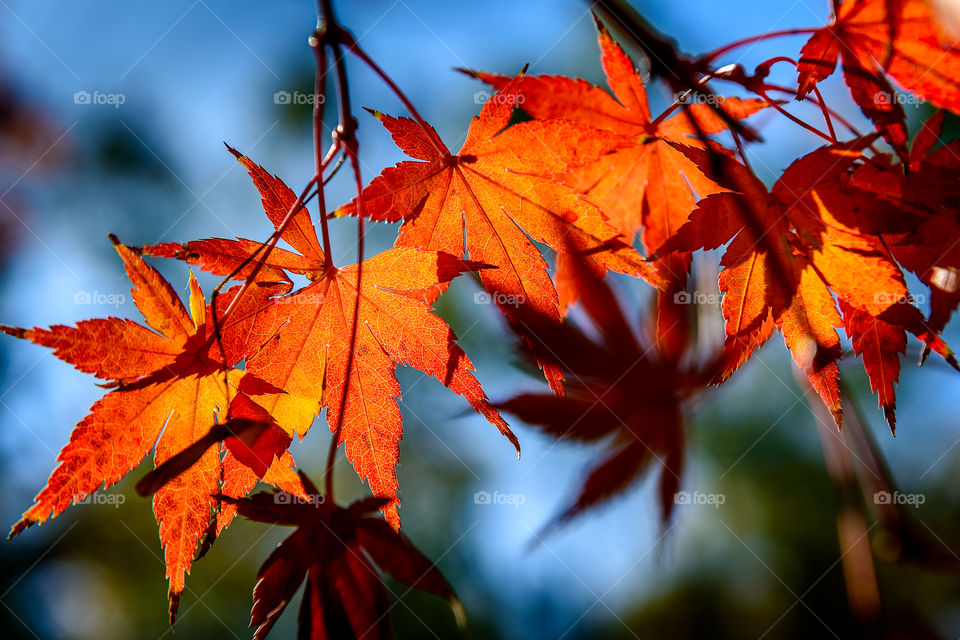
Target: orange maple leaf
869, 37
496, 192
170, 389
879, 345
301, 342
646, 184
922, 225
788, 250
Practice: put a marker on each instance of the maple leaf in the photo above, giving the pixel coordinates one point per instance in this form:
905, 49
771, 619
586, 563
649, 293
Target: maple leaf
788, 249
620, 391
872, 36
759, 278
496, 192
170, 387
301, 342
646, 184
923, 231
337, 551
880, 345
222, 257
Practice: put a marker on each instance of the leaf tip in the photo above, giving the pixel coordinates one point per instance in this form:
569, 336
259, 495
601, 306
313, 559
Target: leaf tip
837, 417
16, 332
174, 605
598, 22
20, 527
511, 436
951, 360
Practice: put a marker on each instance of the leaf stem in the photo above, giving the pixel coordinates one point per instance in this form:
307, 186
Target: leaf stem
266, 247
330, 33
809, 127
355, 49
818, 101
826, 113
736, 44
319, 103
347, 130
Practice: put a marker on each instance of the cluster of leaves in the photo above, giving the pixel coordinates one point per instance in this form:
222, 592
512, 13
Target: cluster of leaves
220, 391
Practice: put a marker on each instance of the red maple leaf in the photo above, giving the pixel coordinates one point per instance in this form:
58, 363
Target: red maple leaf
646, 184
301, 342
870, 37
337, 552
498, 190
813, 235
169, 387
922, 228
620, 391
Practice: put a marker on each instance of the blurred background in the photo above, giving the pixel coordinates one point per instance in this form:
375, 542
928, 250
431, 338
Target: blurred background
112, 118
